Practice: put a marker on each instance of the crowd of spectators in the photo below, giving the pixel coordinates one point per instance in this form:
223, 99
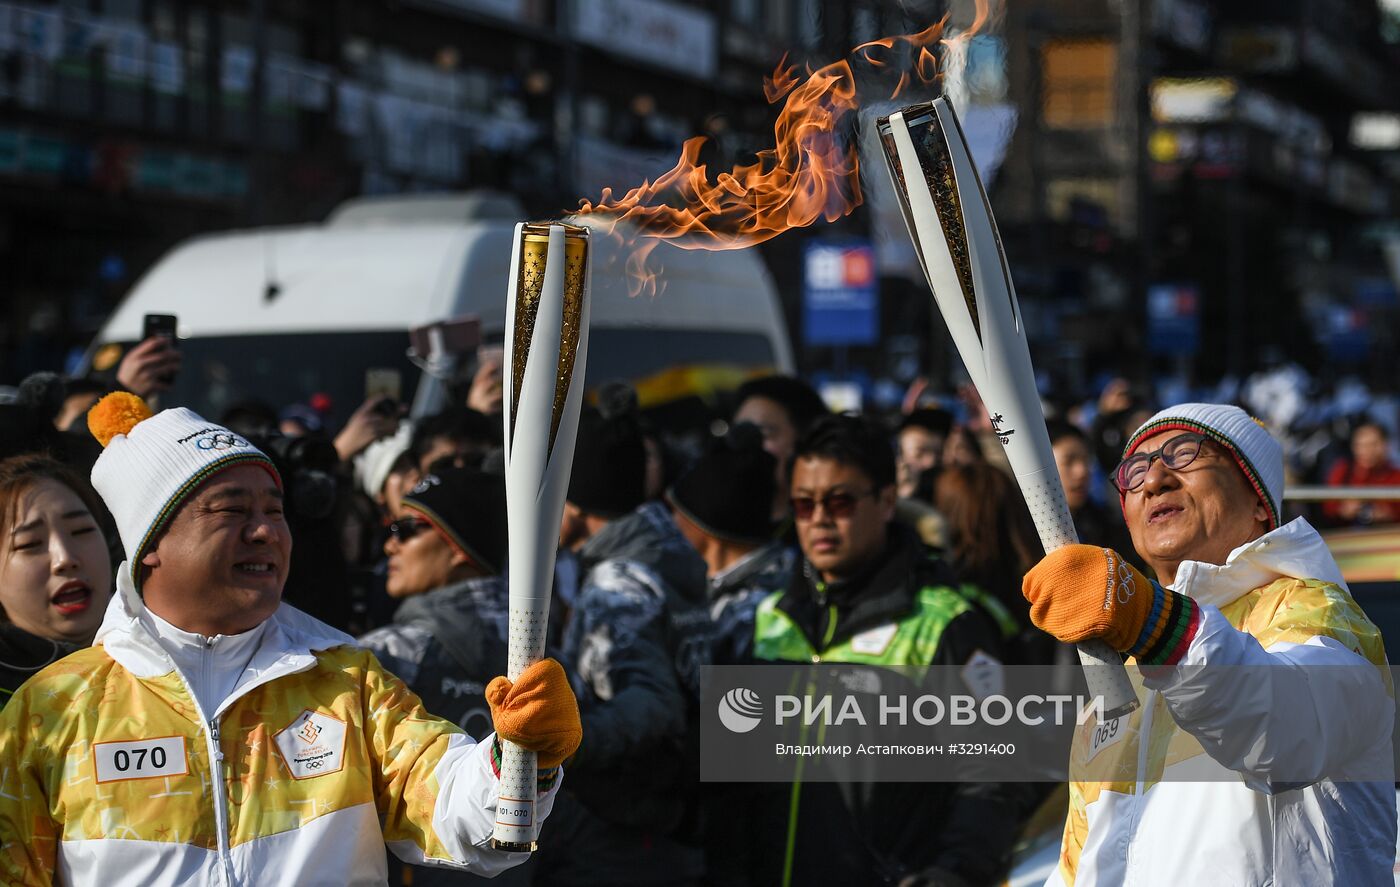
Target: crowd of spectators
726, 553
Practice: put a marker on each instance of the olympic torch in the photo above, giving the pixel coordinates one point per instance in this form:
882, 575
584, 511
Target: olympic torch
958, 246
546, 347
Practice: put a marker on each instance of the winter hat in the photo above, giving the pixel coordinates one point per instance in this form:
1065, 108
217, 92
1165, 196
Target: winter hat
468, 507
799, 400
609, 473
151, 464
372, 466
1255, 450
930, 419
24, 430
728, 493
304, 416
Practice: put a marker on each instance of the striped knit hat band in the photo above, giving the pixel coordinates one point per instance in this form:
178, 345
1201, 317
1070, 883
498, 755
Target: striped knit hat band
1254, 449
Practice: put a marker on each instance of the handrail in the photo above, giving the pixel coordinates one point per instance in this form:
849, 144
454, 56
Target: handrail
1338, 494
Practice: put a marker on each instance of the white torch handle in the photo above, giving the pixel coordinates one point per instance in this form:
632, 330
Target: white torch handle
1103, 667
994, 351
537, 479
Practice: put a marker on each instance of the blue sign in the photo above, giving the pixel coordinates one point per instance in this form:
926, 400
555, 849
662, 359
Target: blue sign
841, 303
1173, 318
1346, 334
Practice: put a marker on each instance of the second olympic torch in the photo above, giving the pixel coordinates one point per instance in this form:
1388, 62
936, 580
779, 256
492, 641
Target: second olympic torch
960, 250
546, 347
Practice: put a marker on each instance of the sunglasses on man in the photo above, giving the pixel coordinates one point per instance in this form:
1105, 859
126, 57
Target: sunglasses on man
405, 528
839, 504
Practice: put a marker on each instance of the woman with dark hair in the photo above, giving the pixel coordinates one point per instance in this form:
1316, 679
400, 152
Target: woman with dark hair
992, 543
1096, 524
961, 447
55, 569
1368, 466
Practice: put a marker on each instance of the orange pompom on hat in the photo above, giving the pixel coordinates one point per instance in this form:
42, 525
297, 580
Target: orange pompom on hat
152, 463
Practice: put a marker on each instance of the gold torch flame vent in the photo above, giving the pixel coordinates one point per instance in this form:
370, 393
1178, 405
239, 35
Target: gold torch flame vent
534, 254
932, 149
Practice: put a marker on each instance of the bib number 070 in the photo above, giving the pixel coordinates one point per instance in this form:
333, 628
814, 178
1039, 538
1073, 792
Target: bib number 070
140, 758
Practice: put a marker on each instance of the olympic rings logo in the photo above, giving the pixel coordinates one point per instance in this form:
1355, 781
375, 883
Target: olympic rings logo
220, 441
1126, 585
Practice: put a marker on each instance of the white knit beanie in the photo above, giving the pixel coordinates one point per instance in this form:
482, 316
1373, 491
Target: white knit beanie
151, 464
1255, 450
372, 467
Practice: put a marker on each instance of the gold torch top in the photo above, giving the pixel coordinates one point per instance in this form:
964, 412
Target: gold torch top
529, 288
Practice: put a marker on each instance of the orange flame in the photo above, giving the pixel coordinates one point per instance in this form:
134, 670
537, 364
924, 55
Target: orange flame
812, 171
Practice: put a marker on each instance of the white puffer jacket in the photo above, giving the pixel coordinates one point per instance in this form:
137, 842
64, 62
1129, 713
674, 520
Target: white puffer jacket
1271, 767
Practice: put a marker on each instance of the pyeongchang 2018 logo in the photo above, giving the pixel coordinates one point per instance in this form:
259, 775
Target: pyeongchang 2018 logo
312, 745
740, 710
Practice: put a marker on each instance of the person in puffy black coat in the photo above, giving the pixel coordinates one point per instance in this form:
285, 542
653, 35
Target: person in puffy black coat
633, 644
447, 548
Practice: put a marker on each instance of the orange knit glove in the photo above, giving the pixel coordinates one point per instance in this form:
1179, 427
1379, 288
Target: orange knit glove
1080, 592
538, 712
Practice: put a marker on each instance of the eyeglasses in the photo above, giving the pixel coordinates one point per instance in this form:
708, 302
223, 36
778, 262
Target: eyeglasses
406, 528
1176, 454
838, 504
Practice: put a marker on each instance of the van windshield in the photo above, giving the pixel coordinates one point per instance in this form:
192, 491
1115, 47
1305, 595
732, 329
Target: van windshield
666, 365
633, 355
278, 370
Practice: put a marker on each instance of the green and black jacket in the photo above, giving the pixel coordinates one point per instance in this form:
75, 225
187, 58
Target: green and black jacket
908, 609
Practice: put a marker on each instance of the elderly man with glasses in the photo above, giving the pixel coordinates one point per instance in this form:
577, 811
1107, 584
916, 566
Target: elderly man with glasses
1261, 753
868, 592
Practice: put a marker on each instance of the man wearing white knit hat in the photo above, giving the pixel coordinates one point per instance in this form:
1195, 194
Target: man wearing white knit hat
213, 735
1261, 753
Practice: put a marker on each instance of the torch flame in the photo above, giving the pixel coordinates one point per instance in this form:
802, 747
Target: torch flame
812, 171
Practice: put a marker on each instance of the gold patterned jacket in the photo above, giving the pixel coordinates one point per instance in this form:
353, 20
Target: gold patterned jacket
315, 761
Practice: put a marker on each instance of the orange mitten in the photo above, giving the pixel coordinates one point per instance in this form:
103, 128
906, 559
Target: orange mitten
537, 712
1081, 591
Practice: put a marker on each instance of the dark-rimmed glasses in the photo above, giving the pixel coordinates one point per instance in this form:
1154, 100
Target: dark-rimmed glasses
841, 503
405, 528
1176, 454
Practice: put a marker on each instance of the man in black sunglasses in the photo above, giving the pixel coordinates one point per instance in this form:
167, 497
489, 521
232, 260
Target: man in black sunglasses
1264, 756
869, 592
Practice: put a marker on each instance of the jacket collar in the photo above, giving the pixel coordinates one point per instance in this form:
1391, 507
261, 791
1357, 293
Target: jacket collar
760, 560
457, 595
648, 536
288, 645
882, 593
1292, 551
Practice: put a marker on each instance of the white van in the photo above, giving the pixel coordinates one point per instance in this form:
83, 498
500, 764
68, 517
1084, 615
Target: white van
278, 314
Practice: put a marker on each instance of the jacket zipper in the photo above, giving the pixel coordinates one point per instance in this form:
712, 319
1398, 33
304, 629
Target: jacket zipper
795, 796
216, 764
216, 761
1144, 746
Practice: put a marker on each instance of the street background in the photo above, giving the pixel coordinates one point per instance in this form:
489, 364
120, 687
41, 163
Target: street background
1189, 192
